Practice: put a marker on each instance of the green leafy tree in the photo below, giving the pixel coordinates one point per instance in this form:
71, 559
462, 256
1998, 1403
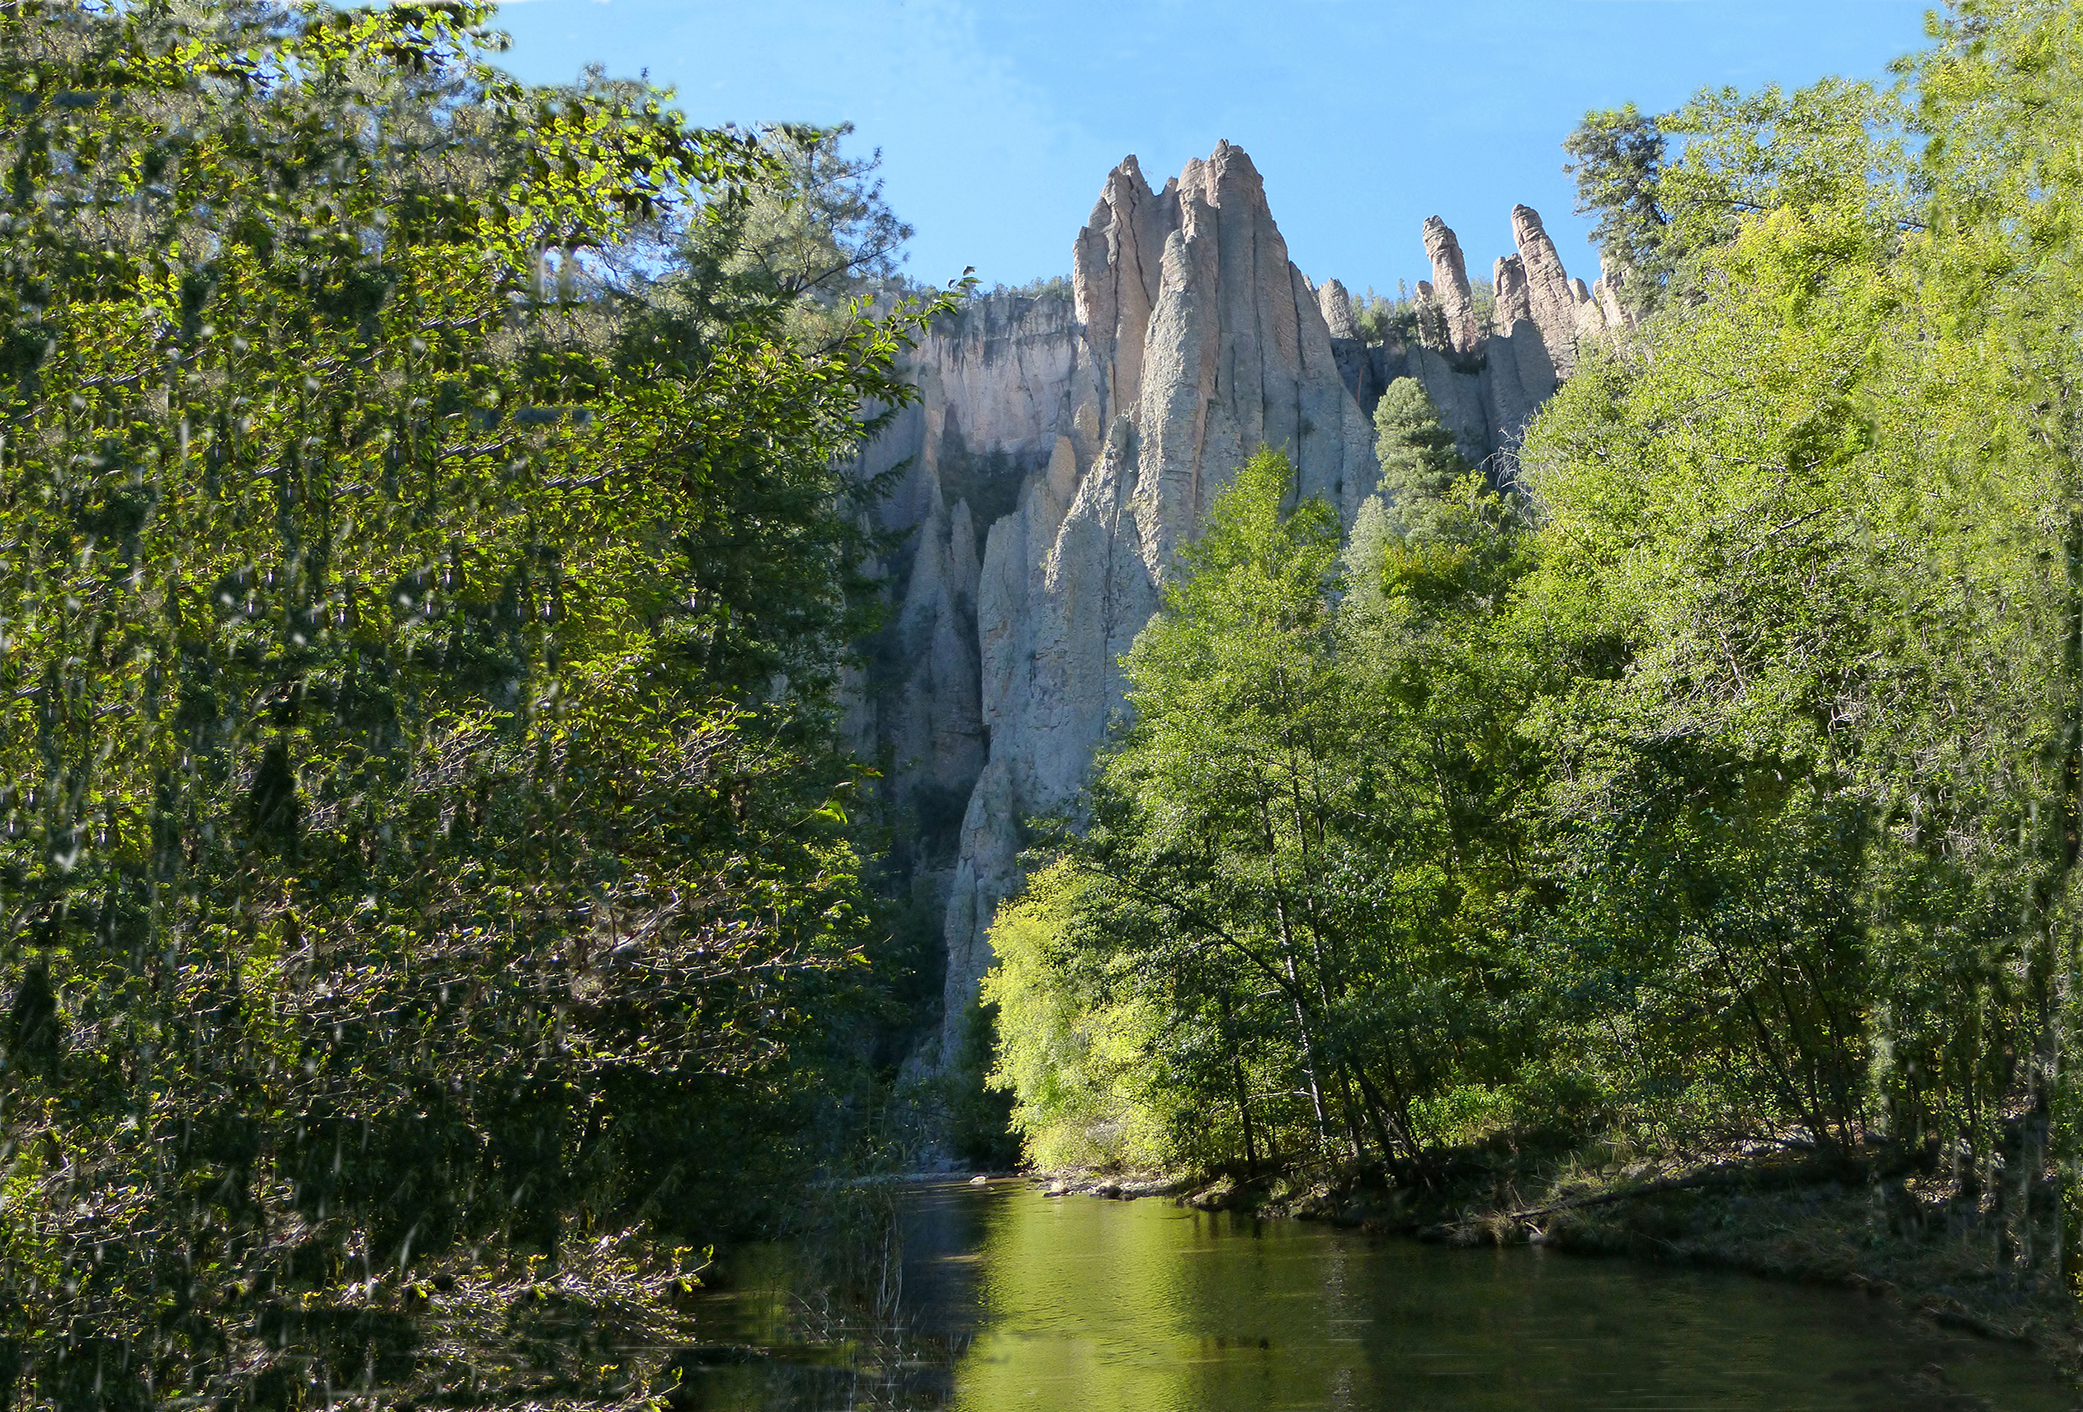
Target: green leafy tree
1617, 156
797, 249
1074, 1039
1723, 791
1998, 93
1836, 143
1418, 460
1287, 856
425, 845
1780, 545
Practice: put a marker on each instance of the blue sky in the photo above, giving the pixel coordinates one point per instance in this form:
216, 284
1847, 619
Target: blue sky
998, 122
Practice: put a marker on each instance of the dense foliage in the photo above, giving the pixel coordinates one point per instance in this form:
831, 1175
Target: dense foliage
1299, 877
1716, 783
427, 886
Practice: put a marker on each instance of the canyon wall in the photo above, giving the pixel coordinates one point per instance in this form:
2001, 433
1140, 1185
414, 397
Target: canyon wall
1069, 439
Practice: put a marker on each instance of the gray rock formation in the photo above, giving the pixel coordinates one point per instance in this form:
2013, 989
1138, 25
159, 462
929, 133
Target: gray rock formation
1450, 286
1606, 290
1513, 306
1487, 393
1337, 307
1207, 343
992, 382
1548, 292
1066, 445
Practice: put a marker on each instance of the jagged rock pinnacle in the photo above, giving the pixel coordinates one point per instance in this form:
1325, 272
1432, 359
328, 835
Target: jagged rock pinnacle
1077, 441
1450, 288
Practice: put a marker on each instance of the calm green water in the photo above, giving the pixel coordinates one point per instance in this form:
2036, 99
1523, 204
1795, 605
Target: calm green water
1005, 1299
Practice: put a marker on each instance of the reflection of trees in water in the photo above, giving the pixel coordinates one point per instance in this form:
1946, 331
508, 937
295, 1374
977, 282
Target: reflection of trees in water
896, 1295
840, 1334
888, 1358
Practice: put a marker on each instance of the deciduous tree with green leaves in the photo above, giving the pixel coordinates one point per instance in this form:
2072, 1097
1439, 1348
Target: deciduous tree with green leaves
1813, 551
1293, 874
426, 848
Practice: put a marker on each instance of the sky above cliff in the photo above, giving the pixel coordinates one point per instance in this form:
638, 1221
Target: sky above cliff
998, 120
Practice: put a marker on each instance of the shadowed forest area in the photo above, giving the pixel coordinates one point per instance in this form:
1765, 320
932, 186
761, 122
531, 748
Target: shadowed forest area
440, 903
428, 867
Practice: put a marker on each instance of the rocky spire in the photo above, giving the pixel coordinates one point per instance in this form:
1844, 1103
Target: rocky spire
1206, 343
1509, 277
1450, 288
1337, 307
1115, 273
1080, 437
1549, 297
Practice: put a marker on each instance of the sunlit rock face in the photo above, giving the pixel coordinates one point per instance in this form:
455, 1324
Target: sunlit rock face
1457, 321
1068, 441
1203, 342
1487, 382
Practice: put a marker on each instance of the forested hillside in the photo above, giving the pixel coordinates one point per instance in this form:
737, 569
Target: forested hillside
440, 898
1705, 779
431, 909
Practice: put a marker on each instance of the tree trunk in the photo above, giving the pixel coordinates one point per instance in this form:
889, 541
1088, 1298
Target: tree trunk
1294, 995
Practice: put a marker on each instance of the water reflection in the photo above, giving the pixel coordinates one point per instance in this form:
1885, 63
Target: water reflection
1012, 1300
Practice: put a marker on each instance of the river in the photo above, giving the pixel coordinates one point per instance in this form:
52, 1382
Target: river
996, 1298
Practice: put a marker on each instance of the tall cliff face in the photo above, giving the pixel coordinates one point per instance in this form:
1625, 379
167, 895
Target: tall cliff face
1067, 443
1204, 342
992, 384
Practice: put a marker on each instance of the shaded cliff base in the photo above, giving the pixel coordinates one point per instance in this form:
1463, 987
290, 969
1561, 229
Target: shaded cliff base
1982, 1261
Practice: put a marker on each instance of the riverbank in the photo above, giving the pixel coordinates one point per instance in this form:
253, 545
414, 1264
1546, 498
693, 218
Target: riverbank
1966, 1260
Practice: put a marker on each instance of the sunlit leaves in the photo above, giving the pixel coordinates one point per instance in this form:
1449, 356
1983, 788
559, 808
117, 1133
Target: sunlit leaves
422, 793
